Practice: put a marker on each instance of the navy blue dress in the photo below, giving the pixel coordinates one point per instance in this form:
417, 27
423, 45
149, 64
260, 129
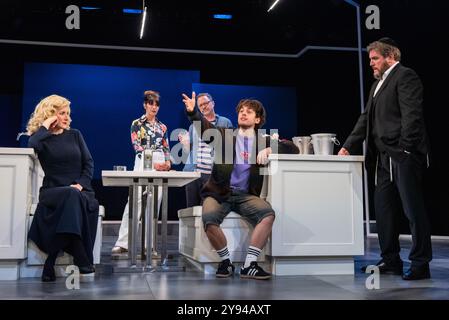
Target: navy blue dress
65, 160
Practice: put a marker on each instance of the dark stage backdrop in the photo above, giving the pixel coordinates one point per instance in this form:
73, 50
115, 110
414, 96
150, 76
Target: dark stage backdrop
330, 101
280, 104
10, 105
105, 100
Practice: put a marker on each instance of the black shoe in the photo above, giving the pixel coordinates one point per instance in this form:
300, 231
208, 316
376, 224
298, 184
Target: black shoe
87, 269
417, 273
387, 268
254, 272
225, 269
48, 274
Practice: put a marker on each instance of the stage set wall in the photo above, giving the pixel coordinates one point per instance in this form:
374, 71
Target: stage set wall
327, 98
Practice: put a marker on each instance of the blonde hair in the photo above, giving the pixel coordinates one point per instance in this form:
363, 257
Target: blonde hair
46, 108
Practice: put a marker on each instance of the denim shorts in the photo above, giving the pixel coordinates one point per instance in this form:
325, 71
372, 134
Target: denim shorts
250, 207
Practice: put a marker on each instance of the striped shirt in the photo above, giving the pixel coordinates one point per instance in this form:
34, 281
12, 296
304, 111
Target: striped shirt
207, 153
204, 157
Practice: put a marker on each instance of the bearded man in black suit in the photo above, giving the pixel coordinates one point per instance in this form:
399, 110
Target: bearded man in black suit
393, 128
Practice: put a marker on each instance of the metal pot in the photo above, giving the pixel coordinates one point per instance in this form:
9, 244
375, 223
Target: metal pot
304, 144
323, 143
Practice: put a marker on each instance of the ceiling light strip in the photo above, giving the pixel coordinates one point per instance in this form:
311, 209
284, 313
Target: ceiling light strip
143, 22
273, 5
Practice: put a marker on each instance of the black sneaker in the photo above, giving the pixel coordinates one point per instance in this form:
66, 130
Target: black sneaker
225, 269
254, 272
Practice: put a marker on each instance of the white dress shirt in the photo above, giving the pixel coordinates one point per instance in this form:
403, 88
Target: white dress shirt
384, 76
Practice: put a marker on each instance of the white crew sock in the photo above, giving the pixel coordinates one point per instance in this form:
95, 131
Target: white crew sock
224, 254
252, 255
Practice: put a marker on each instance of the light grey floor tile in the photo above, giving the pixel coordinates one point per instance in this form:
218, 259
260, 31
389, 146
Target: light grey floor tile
194, 285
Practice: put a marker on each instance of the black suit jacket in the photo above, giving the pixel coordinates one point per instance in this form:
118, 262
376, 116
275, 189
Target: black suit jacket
398, 118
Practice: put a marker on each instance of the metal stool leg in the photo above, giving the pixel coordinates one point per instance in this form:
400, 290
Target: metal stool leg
149, 229
155, 206
143, 208
164, 254
134, 225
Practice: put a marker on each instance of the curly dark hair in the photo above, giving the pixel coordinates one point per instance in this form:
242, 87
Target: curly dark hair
257, 107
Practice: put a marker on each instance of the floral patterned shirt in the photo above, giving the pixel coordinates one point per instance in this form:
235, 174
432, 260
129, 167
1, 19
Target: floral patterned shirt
142, 130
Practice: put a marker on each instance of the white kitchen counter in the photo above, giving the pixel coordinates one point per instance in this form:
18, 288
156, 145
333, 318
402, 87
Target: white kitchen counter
318, 202
18, 180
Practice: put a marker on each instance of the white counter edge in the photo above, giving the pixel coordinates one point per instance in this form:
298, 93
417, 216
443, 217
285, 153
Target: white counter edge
150, 174
313, 157
19, 151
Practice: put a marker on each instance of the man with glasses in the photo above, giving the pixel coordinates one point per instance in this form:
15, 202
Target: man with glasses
201, 155
145, 130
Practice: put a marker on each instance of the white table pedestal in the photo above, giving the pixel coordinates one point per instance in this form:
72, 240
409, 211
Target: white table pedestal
150, 179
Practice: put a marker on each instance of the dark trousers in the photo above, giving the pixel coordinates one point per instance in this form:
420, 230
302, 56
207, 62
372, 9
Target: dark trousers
193, 191
406, 189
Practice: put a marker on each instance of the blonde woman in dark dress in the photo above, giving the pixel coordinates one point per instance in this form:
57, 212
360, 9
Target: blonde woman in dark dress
67, 214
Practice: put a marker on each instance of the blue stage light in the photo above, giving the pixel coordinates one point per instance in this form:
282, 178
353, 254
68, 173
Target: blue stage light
133, 11
223, 16
90, 8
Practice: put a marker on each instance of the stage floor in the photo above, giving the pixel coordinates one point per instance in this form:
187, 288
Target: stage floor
193, 285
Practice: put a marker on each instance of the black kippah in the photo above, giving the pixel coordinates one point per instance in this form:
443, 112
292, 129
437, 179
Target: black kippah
389, 41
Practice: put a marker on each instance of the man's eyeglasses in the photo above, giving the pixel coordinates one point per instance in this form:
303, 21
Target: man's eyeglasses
152, 102
204, 104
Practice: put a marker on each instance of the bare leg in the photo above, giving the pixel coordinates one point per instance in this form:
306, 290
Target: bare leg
216, 237
261, 232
